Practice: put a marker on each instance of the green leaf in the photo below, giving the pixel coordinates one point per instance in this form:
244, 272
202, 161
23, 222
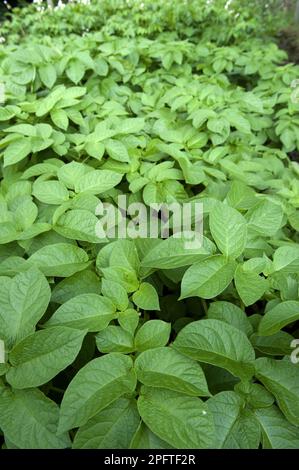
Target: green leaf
23, 301
47, 74
235, 427
152, 334
236, 120
208, 278
60, 118
277, 432
184, 422
231, 314
278, 317
130, 126
95, 149
255, 394
96, 385
60, 259
117, 150
286, 259
78, 224
75, 70
166, 368
112, 428
86, 311
50, 192
228, 228
129, 320
6, 113
146, 297
72, 172
144, 438
41, 356
265, 218
115, 339
98, 181
217, 343
172, 253
116, 293
83, 282
250, 286
45, 105
278, 344
30, 410
17, 151
281, 378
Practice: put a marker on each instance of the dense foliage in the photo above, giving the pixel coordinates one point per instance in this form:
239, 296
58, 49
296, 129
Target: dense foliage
144, 343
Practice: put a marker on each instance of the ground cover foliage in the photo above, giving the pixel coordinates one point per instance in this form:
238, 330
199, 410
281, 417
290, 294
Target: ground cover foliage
143, 343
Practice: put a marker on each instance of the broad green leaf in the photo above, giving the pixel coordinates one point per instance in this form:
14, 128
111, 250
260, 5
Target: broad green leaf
217, 343
48, 75
128, 320
78, 224
98, 181
50, 192
235, 427
117, 150
116, 293
231, 314
115, 339
86, 311
152, 334
72, 172
60, 259
250, 286
240, 196
29, 419
228, 228
184, 422
281, 378
166, 368
278, 317
96, 385
17, 151
277, 432
286, 259
60, 118
208, 278
23, 301
255, 394
75, 70
8, 232
112, 428
146, 297
172, 253
144, 438
83, 282
130, 126
278, 344
265, 218
41, 356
